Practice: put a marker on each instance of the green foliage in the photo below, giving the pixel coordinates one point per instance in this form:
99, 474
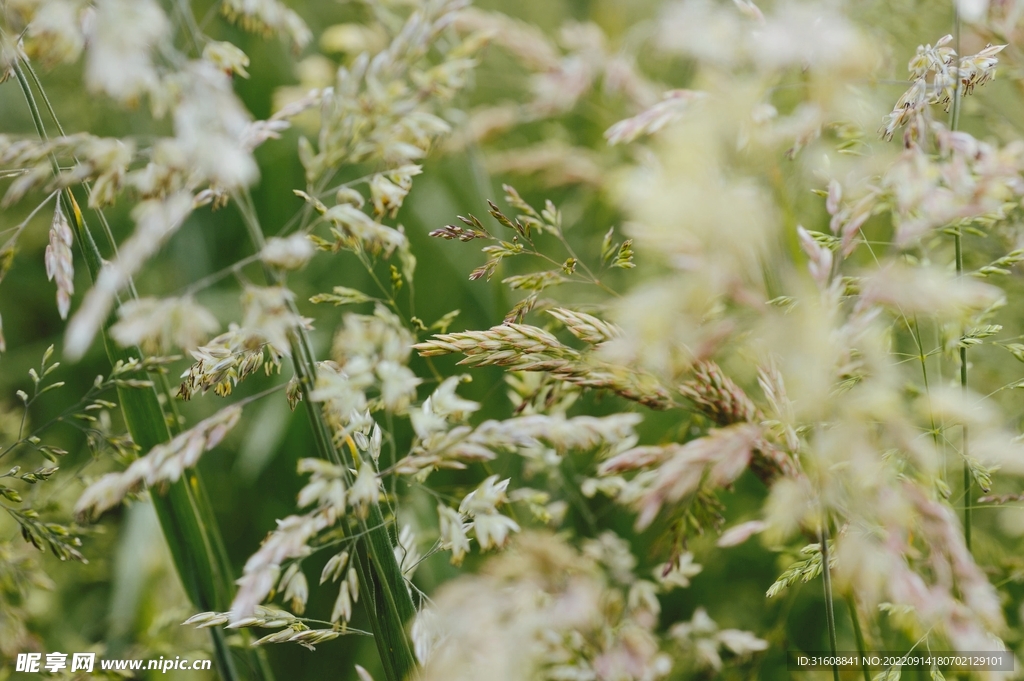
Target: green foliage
707, 369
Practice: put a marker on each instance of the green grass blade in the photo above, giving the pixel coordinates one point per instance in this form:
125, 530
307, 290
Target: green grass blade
381, 583
183, 510
185, 518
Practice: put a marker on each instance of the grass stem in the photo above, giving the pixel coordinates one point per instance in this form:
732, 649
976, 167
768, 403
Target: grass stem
186, 519
389, 603
954, 124
858, 635
830, 615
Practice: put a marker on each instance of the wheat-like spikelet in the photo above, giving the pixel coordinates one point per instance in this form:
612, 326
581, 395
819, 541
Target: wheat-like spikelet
522, 347
163, 464
59, 263
717, 397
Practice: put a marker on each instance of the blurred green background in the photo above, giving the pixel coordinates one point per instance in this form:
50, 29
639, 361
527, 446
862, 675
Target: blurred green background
127, 597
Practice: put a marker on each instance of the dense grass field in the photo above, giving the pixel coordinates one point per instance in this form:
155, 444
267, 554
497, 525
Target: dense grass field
578, 340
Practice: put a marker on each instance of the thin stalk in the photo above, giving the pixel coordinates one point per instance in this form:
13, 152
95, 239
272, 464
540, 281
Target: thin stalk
826, 569
968, 477
858, 635
190, 539
830, 615
108, 233
256, 658
964, 453
958, 245
915, 332
381, 582
195, 543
